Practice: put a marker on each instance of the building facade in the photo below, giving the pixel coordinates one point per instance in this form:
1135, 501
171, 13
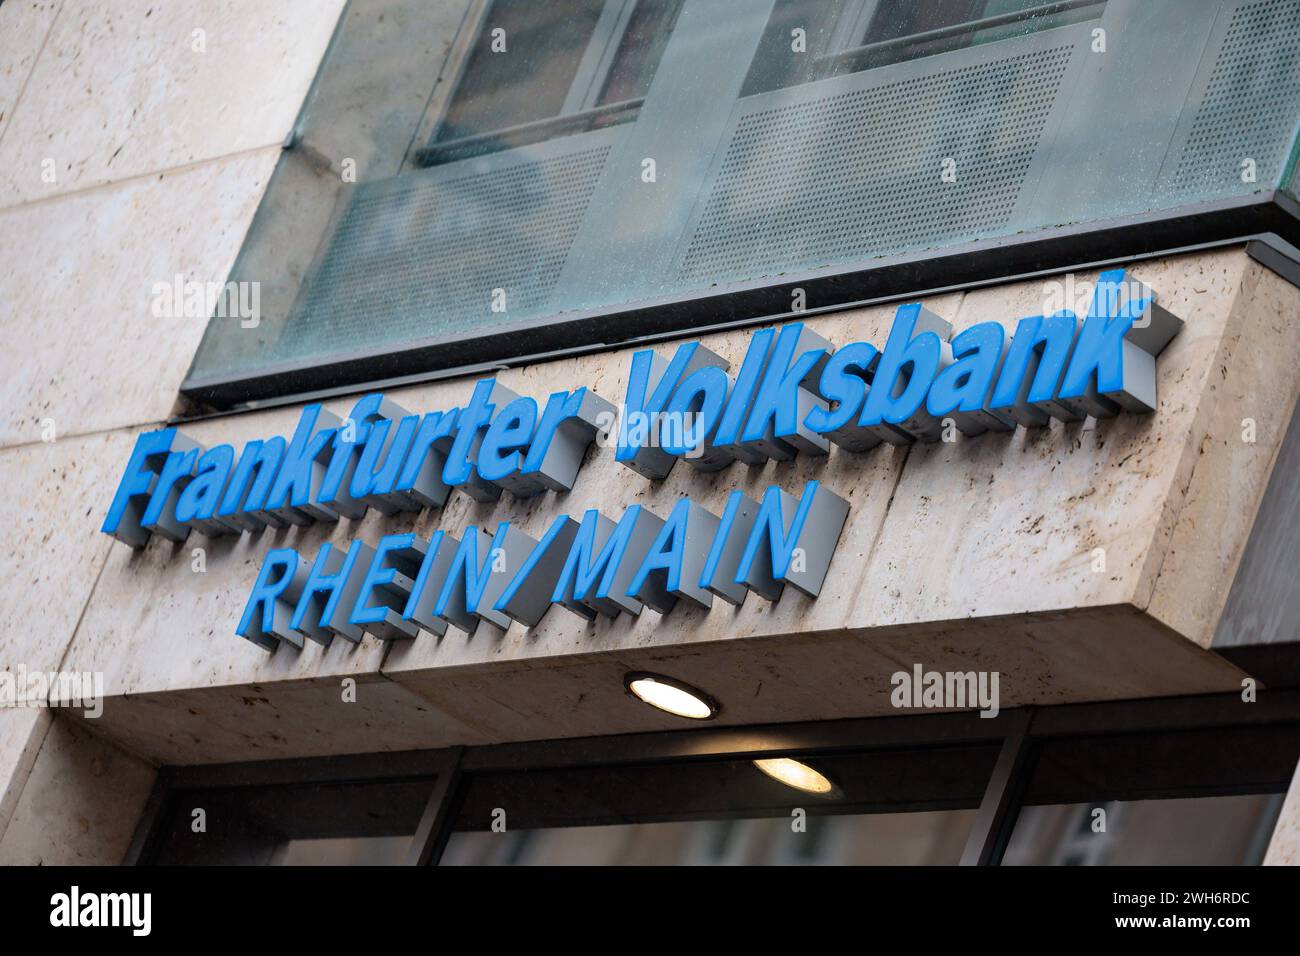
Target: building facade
1020, 604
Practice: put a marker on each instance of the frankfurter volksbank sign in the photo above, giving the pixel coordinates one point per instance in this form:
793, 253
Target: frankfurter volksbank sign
794, 393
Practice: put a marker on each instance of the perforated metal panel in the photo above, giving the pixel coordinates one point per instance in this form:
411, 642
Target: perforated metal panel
845, 175
1249, 103
420, 255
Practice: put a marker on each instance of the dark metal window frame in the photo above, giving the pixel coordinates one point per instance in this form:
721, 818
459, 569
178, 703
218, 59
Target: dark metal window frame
1018, 732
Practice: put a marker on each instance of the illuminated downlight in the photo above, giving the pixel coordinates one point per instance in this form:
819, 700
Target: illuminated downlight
671, 696
792, 773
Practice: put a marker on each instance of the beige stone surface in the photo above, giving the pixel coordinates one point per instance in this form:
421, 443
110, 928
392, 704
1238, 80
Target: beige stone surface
1000, 524
24, 27
1100, 654
1284, 848
308, 718
82, 345
1253, 383
22, 729
159, 624
81, 803
50, 530
125, 93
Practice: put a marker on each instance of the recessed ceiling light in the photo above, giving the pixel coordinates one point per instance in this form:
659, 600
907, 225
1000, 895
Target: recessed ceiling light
671, 695
794, 773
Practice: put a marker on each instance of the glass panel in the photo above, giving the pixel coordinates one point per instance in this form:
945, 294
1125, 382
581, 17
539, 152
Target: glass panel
888, 129
912, 806
1038, 15
345, 851
1190, 797
934, 838
1195, 831
904, 30
640, 49
522, 73
846, 36
565, 51
308, 824
794, 47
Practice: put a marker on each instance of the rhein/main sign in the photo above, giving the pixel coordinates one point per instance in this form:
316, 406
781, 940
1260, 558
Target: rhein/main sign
794, 393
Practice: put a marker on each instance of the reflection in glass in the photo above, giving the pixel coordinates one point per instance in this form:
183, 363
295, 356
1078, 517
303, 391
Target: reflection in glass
846, 36
344, 851
1207, 796
542, 70
795, 774
640, 50
361, 823
903, 839
1193, 831
912, 805
522, 73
